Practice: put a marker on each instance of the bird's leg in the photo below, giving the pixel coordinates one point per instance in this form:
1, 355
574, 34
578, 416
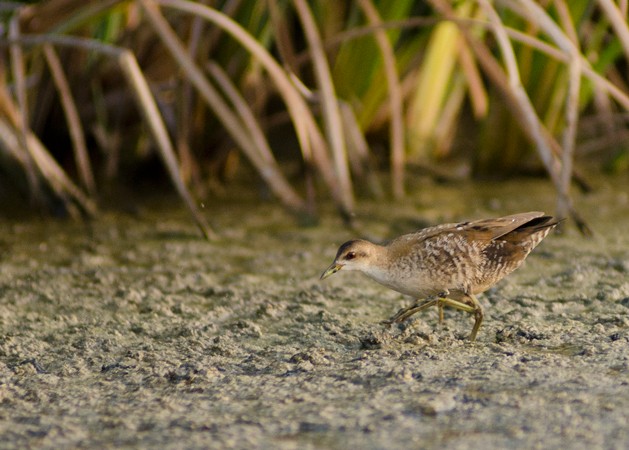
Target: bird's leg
407, 312
478, 316
472, 307
440, 297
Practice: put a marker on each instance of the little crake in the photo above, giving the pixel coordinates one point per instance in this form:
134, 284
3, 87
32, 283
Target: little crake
449, 264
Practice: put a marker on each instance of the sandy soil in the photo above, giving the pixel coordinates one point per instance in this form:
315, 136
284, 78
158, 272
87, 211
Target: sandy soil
135, 333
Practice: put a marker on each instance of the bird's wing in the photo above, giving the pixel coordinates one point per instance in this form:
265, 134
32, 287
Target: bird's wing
491, 229
485, 229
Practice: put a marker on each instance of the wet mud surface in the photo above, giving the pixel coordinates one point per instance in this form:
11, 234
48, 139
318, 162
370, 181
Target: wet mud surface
135, 333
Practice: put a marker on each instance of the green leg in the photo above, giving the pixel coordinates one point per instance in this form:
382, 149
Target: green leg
473, 308
407, 312
457, 304
478, 316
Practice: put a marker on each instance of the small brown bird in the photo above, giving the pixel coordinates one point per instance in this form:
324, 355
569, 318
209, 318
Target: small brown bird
449, 264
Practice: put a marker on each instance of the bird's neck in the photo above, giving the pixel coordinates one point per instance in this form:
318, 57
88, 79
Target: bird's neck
378, 267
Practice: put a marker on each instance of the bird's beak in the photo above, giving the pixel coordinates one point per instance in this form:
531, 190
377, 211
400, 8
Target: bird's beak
335, 267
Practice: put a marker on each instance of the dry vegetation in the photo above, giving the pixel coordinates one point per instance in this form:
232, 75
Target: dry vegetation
89, 87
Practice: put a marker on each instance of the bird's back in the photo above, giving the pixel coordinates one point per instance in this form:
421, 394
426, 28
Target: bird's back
467, 257
504, 254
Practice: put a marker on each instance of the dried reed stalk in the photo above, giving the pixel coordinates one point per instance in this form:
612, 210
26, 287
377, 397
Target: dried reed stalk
55, 176
397, 131
77, 136
331, 114
311, 142
150, 112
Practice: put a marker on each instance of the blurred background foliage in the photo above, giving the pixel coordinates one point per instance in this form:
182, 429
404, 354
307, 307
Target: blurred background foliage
320, 99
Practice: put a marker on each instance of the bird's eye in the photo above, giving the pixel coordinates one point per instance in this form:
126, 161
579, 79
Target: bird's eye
350, 255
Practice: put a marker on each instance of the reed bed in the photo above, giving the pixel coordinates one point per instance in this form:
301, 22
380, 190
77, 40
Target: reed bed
198, 83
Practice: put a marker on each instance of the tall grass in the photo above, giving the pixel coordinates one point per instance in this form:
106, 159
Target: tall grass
210, 81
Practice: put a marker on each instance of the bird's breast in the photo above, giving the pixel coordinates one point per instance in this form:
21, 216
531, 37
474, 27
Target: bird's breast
406, 280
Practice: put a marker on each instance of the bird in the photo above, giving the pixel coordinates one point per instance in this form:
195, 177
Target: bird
447, 264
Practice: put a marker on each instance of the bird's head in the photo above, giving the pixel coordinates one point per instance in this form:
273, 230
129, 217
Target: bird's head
352, 255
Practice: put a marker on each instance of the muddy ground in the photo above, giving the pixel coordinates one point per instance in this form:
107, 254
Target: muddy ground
135, 333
